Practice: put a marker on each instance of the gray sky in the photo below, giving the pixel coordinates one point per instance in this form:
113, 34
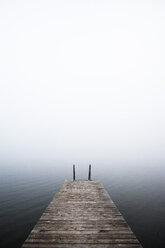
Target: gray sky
82, 80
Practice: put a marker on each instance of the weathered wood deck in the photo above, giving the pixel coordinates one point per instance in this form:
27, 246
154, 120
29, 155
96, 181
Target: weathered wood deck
81, 215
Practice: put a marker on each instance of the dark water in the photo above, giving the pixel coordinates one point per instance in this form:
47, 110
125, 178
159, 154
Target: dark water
138, 192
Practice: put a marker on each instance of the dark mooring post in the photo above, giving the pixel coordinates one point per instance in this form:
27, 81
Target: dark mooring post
74, 174
89, 174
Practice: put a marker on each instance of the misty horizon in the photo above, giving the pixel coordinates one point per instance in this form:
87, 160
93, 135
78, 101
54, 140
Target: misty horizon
82, 82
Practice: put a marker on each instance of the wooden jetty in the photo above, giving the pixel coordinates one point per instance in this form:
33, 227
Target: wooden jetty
81, 214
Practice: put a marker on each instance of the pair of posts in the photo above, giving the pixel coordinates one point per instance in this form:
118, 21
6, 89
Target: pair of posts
74, 173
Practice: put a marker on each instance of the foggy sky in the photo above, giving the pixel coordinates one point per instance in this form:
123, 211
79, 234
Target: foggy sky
82, 81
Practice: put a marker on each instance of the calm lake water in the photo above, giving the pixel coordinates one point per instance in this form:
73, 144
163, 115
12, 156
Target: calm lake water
138, 192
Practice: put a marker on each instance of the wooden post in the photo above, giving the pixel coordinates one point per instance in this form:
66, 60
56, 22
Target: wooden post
89, 175
74, 174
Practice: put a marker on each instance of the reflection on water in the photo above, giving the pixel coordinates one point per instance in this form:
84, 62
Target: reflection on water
137, 191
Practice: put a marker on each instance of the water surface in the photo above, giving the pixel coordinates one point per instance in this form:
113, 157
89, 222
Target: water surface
138, 192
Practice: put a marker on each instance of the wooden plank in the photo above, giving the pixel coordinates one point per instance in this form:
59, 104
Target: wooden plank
82, 214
